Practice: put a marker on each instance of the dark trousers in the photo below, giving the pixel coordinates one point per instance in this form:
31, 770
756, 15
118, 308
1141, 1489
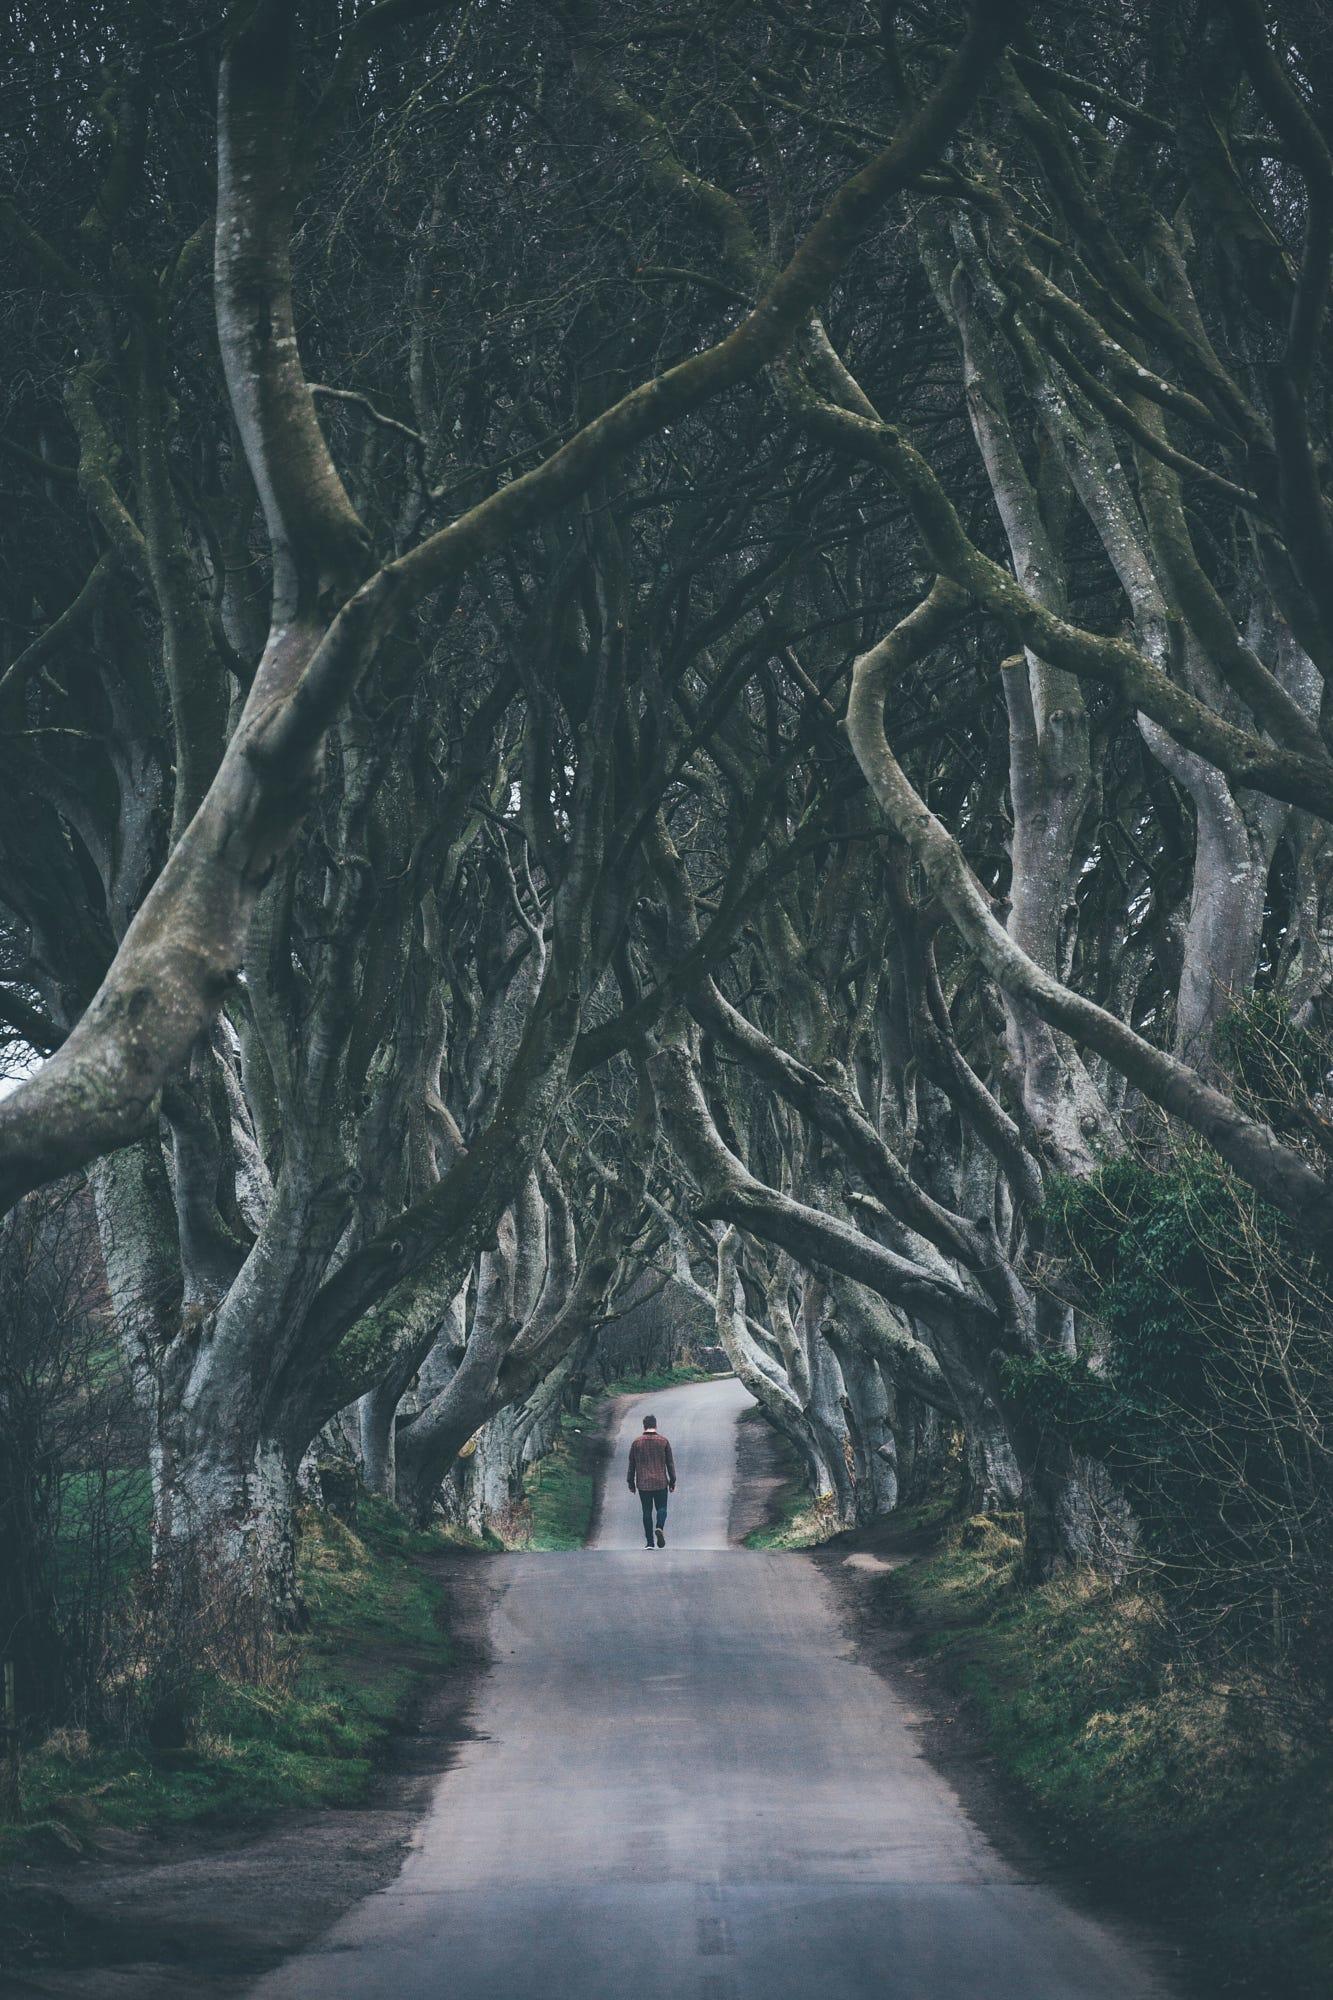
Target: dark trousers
649, 1501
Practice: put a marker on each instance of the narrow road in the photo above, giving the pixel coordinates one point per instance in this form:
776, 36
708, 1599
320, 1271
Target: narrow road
685, 1786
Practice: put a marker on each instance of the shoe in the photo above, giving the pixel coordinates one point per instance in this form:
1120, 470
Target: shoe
661, 1538
650, 1545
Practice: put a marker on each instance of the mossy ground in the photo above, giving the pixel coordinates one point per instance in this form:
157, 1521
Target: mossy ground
562, 1486
802, 1523
1202, 1803
309, 1737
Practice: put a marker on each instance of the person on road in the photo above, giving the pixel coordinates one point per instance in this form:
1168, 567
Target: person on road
652, 1471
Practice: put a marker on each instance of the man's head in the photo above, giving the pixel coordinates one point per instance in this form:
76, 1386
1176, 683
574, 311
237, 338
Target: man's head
650, 1423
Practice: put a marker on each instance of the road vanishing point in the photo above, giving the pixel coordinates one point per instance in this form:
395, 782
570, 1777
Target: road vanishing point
684, 1785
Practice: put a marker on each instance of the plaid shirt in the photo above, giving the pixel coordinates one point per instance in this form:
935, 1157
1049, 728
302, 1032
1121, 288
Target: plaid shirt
651, 1466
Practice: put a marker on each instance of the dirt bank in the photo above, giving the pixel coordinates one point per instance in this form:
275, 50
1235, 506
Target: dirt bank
144, 1917
763, 1472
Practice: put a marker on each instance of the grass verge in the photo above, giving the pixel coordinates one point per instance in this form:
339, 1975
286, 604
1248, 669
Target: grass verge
311, 1738
659, 1378
1201, 1804
561, 1488
800, 1522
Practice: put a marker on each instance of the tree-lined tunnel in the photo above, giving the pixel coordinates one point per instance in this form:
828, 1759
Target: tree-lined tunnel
662, 690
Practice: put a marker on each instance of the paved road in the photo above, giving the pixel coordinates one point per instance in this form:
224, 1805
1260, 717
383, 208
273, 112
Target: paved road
701, 1424
685, 1786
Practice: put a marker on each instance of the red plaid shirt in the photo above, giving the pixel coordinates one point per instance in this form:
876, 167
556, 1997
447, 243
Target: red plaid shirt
651, 1466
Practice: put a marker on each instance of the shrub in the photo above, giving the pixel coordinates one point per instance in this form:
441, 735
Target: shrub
72, 1517
1207, 1391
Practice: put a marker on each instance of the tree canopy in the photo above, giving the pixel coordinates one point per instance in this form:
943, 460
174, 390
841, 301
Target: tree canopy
679, 649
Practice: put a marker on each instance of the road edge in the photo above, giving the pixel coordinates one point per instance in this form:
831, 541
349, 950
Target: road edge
856, 1565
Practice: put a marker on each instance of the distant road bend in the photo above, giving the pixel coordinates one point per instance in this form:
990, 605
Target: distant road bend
685, 1786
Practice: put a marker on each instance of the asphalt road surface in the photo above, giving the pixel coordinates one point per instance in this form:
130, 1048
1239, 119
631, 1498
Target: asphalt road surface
685, 1786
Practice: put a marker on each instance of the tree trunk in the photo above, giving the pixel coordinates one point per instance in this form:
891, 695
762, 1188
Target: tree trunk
872, 1433
377, 1413
224, 1505
827, 1411
993, 1472
1074, 1515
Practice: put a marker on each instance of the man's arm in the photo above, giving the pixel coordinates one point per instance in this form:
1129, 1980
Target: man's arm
671, 1465
633, 1462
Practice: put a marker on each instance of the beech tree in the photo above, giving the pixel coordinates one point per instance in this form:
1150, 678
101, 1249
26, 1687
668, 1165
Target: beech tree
1081, 250
706, 656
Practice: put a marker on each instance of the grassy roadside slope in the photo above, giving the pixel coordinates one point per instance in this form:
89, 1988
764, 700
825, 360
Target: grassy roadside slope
561, 1488
678, 1377
308, 1738
1198, 1805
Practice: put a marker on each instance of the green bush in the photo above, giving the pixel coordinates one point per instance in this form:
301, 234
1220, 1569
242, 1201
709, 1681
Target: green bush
307, 1733
1206, 1388
1194, 1797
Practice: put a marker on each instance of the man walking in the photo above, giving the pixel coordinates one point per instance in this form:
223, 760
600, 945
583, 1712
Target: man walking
652, 1470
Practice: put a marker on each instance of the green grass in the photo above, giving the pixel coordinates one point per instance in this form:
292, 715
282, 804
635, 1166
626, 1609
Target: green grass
1203, 1803
660, 1378
799, 1522
121, 1503
310, 1738
562, 1487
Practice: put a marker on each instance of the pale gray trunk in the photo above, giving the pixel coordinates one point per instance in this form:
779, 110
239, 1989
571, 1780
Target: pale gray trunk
1051, 783
224, 1503
873, 1440
486, 1480
1236, 837
766, 1381
827, 1412
136, 1226
537, 1419
1236, 831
